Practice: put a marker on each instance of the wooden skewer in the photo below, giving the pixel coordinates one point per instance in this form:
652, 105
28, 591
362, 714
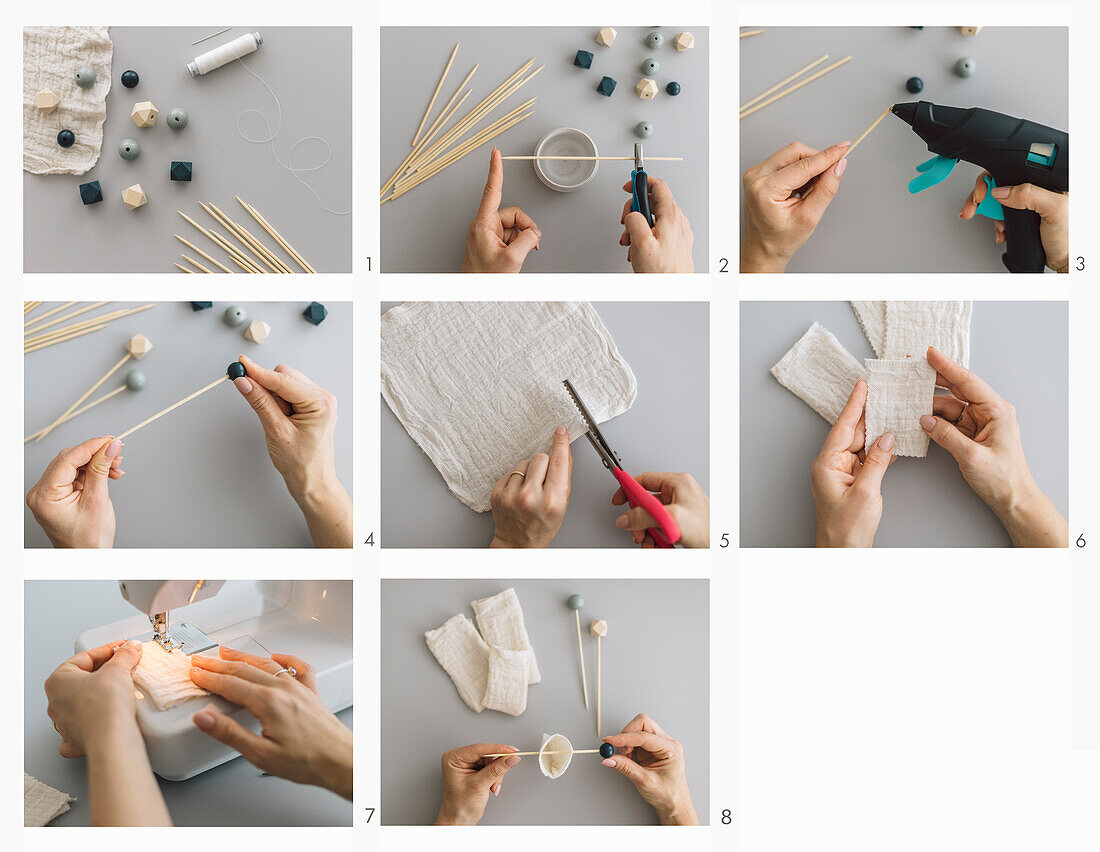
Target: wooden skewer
233, 254
599, 684
260, 247
84, 396
250, 249
49, 313
275, 235
443, 119
863, 136
194, 262
238, 258
783, 83
29, 306
580, 650
748, 33
75, 313
108, 317
204, 254
531, 753
171, 408
38, 346
795, 87
435, 94
185, 269
547, 157
82, 409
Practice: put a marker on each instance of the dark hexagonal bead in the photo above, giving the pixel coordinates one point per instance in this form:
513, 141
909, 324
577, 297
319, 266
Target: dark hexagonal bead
315, 313
583, 59
90, 192
606, 87
201, 306
181, 170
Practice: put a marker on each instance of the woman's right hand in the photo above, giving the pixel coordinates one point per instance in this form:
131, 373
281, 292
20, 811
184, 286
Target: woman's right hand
654, 763
980, 431
1052, 207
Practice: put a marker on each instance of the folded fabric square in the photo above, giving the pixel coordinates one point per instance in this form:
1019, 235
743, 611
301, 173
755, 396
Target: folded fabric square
464, 656
42, 804
911, 327
872, 319
506, 687
898, 393
820, 372
165, 677
500, 620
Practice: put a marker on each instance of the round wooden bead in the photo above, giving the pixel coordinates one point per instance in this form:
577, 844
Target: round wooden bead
643, 129
130, 79
129, 149
177, 118
650, 67
85, 77
966, 67
136, 380
235, 370
914, 85
234, 316
66, 138
575, 602
654, 40
673, 88
606, 750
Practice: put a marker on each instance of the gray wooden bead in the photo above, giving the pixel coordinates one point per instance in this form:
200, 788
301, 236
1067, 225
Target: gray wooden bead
136, 380
129, 149
966, 67
85, 77
643, 129
654, 40
234, 316
650, 67
177, 118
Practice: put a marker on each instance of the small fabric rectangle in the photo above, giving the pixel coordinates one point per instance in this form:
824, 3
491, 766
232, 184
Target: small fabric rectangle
42, 804
165, 677
506, 687
872, 319
464, 656
820, 372
911, 327
899, 392
500, 619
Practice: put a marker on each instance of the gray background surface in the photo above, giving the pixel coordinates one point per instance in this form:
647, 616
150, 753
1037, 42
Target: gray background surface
308, 68
235, 793
580, 230
663, 672
667, 345
874, 224
1019, 348
200, 476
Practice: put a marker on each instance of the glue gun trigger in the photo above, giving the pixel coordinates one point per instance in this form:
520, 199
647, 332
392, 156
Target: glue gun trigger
989, 206
932, 172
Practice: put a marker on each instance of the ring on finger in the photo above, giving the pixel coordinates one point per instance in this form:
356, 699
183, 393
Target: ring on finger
289, 670
520, 472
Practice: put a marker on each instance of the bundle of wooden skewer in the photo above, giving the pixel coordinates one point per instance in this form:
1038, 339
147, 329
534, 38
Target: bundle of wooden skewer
773, 94
430, 155
244, 250
38, 333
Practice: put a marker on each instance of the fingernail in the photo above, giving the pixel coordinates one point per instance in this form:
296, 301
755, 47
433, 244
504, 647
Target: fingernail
886, 442
608, 762
113, 449
134, 643
243, 385
621, 522
839, 168
843, 144
561, 431
511, 761
1000, 192
927, 421
203, 721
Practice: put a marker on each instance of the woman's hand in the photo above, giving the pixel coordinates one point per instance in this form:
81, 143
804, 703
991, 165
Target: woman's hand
980, 431
70, 501
785, 198
468, 778
1052, 207
299, 739
299, 422
654, 763
686, 500
847, 493
498, 240
529, 501
93, 706
666, 247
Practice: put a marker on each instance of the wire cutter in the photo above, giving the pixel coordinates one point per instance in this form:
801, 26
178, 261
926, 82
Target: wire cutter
639, 182
636, 495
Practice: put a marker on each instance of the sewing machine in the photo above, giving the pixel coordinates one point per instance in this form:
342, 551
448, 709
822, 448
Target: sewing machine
311, 619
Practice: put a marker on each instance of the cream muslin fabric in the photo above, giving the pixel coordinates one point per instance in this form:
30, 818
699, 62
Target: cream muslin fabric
554, 765
898, 393
872, 319
911, 327
820, 372
478, 385
165, 676
464, 656
42, 804
51, 56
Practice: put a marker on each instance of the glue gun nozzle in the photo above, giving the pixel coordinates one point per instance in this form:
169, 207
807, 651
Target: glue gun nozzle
906, 112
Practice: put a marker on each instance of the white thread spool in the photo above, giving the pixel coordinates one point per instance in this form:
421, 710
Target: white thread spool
226, 53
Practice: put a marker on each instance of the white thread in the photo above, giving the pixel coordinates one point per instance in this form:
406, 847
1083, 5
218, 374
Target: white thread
224, 54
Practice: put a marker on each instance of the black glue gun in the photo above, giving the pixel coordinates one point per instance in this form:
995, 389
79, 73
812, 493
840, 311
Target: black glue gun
1012, 150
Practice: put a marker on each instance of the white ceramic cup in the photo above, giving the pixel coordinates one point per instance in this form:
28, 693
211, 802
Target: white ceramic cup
566, 175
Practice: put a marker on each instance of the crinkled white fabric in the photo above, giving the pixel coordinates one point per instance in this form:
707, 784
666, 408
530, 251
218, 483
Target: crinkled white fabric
464, 656
478, 385
554, 765
872, 319
500, 620
911, 327
165, 677
898, 393
506, 686
51, 56
42, 804
820, 372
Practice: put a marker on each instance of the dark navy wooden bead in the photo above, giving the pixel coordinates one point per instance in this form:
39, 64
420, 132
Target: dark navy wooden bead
673, 88
201, 306
606, 86
66, 138
181, 170
130, 79
90, 192
606, 750
315, 313
583, 59
235, 370
914, 85
234, 316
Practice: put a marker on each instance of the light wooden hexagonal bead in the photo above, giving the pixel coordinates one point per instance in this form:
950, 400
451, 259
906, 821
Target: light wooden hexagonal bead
144, 114
972, 31
46, 101
684, 41
606, 36
134, 197
257, 331
646, 88
139, 346
598, 628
